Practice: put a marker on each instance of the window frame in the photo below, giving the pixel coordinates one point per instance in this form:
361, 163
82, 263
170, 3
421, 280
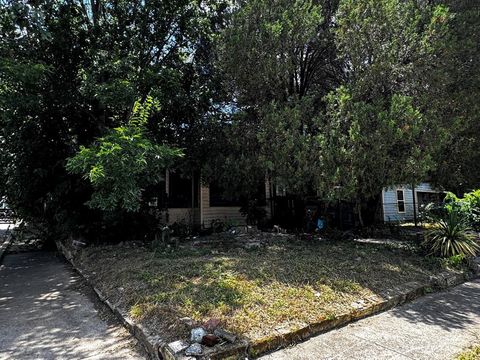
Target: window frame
401, 201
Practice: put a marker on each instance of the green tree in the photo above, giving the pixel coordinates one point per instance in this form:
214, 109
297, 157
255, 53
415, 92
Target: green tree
120, 165
72, 70
278, 61
337, 92
378, 130
458, 157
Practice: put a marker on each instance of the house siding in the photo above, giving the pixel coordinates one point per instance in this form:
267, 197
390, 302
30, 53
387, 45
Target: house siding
189, 216
390, 205
205, 214
223, 213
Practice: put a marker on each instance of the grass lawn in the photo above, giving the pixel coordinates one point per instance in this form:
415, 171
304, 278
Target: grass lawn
470, 354
253, 292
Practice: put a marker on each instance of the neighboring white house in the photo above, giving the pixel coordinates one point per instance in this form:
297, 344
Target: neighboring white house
399, 202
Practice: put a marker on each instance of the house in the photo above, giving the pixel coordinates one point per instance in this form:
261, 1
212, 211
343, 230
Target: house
403, 202
192, 202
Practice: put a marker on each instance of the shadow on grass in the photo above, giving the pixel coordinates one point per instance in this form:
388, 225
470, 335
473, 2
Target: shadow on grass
256, 291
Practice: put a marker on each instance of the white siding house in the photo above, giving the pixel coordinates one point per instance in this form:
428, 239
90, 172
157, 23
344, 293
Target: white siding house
400, 202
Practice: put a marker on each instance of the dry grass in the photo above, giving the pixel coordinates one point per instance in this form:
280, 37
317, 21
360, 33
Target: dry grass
253, 292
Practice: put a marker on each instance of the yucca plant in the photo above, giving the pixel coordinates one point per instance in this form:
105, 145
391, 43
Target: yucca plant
451, 234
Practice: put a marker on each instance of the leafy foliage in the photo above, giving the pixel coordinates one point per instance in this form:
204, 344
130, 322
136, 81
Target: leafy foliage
280, 40
469, 205
376, 131
451, 234
456, 101
122, 163
290, 46
70, 74
367, 145
338, 98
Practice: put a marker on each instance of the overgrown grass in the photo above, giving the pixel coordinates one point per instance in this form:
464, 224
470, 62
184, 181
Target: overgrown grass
470, 354
252, 292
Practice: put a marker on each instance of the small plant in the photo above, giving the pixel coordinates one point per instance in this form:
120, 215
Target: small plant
455, 262
218, 226
451, 234
136, 311
469, 205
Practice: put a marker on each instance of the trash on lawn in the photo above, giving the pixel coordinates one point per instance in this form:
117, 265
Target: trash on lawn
197, 335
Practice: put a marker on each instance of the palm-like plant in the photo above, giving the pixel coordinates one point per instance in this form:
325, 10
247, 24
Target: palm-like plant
452, 234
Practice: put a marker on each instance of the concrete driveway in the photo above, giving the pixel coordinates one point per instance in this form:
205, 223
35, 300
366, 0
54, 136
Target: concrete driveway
435, 327
47, 312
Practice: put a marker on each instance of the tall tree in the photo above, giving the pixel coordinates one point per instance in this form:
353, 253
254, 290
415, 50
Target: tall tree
71, 70
458, 159
278, 60
337, 92
378, 130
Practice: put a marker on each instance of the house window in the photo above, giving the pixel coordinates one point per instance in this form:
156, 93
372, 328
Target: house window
401, 201
180, 191
218, 197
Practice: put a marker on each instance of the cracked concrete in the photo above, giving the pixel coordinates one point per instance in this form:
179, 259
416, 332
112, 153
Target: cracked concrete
437, 326
47, 312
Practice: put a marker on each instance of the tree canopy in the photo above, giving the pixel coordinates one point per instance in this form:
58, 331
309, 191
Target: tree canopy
71, 72
335, 98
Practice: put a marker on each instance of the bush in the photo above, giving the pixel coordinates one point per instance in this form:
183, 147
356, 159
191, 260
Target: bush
469, 205
451, 235
472, 204
121, 164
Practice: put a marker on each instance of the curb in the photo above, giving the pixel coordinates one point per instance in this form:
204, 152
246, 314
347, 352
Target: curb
5, 245
284, 337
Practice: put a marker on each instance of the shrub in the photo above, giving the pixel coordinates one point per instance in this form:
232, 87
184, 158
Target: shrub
121, 164
451, 234
469, 205
472, 204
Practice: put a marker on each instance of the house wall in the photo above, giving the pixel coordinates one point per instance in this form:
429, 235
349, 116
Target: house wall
390, 205
223, 213
187, 215
205, 214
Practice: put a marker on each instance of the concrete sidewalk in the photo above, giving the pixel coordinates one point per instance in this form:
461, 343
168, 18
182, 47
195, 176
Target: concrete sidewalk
435, 327
47, 312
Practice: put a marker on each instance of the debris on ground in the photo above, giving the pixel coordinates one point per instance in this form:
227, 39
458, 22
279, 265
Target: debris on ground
197, 335
194, 350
